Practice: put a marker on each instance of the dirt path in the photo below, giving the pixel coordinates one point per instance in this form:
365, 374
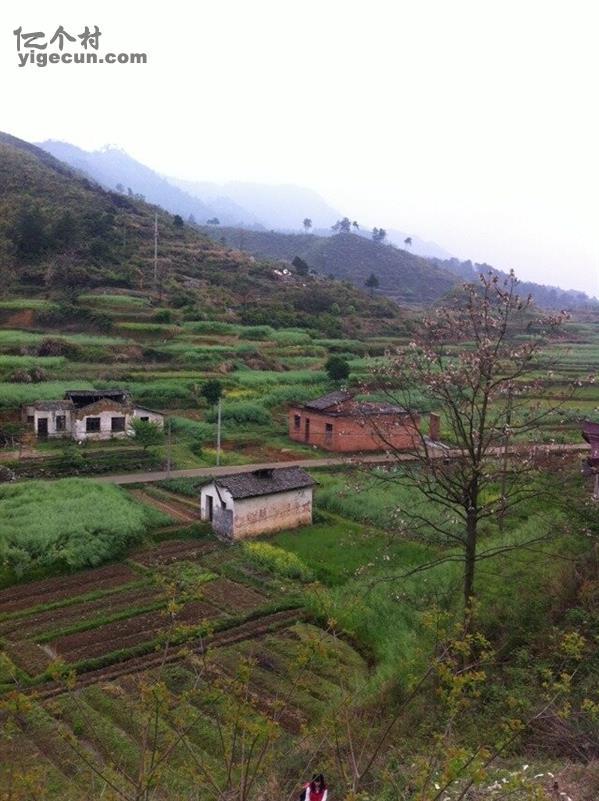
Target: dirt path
171, 508
333, 461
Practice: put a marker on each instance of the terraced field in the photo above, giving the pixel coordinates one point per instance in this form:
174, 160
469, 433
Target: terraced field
183, 616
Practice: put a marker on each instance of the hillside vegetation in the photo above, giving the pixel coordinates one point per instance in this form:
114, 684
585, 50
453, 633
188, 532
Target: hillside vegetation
402, 275
61, 234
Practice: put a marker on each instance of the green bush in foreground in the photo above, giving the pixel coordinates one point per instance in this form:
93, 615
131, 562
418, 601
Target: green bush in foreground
276, 560
72, 522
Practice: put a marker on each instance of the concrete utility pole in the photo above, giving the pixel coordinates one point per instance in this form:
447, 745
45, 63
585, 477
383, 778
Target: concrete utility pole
169, 444
218, 421
155, 250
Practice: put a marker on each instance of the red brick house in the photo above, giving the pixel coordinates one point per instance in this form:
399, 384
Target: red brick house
337, 422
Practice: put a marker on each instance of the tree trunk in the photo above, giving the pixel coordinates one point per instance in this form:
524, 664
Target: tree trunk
469, 565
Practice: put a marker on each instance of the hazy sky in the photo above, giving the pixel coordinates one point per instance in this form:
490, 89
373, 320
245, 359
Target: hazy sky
474, 124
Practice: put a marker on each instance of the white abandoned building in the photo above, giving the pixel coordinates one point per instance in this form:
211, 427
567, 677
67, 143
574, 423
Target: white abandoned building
88, 414
248, 504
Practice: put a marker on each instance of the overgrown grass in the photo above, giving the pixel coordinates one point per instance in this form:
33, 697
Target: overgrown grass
28, 303
12, 395
26, 362
71, 522
15, 338
265, 378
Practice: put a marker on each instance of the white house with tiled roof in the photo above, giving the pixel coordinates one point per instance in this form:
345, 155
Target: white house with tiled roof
257, 502
88, 414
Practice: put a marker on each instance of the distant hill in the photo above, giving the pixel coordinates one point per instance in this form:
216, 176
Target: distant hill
114, 168
402, 276
283, 207
279, 206
61, 233
548, 297
251, 205
60, 210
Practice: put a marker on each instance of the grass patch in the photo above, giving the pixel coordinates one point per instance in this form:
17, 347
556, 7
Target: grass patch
71, 522
12, 395
264, 378
114, 300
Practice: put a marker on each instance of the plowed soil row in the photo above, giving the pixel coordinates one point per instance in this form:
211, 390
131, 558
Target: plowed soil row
65, 615
232, 596
172, 551
249, 630
28, 656
127, 633
50, 590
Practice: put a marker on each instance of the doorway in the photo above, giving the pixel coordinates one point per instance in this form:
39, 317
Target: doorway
210, 506
42, 426
307, 430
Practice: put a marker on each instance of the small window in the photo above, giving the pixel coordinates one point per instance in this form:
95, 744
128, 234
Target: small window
61, 422
145, 419
117, 424
92, 424
297, 422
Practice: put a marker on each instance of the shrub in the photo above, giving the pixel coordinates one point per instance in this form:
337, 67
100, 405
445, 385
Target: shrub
147, 434
163, 316
6, 474
337, 368
212, 391
192, 429
53, 346
20, 377
34, 375
276, 560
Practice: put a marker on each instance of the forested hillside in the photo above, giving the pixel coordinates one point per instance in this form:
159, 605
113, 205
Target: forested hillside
62, 233
548, 297
401, 275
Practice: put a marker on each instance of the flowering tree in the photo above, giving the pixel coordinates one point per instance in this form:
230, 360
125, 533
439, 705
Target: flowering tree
474, 362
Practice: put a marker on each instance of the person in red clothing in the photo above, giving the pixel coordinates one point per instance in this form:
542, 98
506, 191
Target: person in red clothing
316, 790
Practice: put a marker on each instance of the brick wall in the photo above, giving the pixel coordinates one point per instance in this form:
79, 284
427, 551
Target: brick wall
351, 434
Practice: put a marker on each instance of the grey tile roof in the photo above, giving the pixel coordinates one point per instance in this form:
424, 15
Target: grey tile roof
365, 409
96, 394
342, 404
52, 405
265, 482
325, 401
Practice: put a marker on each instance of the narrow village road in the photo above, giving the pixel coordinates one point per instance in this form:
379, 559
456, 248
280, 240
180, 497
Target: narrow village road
334, 461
